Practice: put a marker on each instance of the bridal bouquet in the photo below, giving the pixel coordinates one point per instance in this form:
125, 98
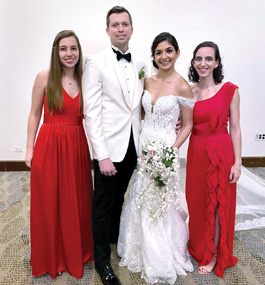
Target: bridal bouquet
160, 170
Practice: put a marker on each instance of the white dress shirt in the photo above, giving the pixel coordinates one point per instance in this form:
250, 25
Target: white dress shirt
127, 68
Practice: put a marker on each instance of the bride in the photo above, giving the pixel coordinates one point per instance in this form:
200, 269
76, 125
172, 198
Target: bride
157, 246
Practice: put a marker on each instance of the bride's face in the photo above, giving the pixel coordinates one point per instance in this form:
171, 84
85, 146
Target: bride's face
165, 55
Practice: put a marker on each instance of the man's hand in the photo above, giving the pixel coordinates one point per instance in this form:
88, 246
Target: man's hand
107, 167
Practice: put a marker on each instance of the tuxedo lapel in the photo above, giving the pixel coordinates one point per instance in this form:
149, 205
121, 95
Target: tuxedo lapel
120, 77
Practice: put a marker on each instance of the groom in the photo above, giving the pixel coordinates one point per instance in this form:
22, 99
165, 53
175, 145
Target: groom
112, 91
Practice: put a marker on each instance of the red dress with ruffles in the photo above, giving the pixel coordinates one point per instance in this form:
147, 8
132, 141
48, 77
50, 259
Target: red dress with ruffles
209, 161
61, 194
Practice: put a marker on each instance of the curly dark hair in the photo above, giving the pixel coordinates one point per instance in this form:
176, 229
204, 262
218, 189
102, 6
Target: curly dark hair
162, 38
217, 72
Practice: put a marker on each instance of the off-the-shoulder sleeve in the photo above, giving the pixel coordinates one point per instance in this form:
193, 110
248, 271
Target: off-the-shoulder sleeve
187, 102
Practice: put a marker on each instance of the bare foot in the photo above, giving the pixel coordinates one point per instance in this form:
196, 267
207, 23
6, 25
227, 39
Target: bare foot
208, 268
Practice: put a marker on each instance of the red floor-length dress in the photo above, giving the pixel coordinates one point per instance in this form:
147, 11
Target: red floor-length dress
61, 194
209, 161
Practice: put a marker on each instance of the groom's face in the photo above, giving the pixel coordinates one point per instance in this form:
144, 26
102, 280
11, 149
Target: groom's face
120, 30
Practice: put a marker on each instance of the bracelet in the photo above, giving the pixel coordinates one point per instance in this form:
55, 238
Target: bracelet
236, 168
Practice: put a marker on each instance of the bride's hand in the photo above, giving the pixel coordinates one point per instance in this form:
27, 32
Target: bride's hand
176, 149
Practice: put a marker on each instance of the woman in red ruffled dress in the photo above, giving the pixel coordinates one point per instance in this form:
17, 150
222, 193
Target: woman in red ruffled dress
213, 162
61, 184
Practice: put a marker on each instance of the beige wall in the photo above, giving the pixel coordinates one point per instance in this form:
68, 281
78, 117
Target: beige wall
28, 28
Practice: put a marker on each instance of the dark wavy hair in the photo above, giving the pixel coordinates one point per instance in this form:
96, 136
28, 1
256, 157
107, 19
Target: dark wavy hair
217, 72
163, 37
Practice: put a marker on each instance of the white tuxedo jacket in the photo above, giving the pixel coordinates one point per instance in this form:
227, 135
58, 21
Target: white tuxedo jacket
108, 109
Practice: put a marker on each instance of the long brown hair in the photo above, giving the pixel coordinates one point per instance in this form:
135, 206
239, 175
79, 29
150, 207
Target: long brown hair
54, 85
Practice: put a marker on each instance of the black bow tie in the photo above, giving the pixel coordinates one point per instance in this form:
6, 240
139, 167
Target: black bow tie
127, 56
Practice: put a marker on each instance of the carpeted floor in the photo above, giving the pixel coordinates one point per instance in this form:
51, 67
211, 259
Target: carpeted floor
249, 246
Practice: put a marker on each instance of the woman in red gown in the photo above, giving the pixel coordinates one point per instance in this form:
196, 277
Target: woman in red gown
213, 162
61, 184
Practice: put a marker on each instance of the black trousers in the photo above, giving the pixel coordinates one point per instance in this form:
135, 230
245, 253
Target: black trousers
108, 201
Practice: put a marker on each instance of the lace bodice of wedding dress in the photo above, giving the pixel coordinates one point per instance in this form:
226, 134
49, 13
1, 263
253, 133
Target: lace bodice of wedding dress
160, 118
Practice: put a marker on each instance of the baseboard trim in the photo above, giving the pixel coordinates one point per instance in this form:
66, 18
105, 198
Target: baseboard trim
253, 161
21, 166
13, 166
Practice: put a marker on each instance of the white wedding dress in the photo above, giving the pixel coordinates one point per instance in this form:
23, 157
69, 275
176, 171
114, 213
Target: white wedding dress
156, 248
